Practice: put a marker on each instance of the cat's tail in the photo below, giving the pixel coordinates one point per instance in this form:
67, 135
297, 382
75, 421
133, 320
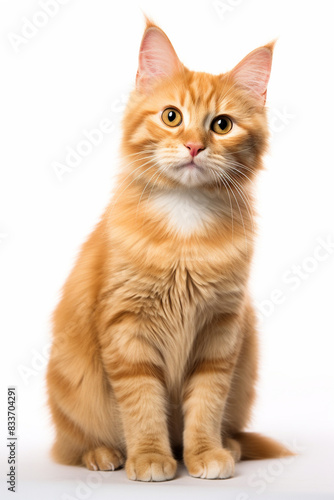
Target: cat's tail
254, 446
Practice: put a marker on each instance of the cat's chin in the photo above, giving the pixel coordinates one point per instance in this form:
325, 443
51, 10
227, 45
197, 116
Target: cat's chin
189, 174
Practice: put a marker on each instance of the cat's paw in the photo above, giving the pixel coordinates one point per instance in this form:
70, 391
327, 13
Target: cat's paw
151, 467
103, 458
217, 463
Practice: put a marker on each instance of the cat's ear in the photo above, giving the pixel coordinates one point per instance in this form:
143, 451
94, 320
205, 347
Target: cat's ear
157, 58
253, 72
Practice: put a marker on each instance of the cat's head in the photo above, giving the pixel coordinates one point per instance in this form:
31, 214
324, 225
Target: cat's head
185, 128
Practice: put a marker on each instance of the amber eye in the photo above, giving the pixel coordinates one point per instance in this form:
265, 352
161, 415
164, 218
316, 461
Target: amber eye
221, 125
171, 117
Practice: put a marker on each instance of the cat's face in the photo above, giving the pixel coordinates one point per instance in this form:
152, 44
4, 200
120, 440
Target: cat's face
195, 129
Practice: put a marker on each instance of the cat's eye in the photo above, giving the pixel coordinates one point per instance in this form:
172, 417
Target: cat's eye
171, 117
222, 125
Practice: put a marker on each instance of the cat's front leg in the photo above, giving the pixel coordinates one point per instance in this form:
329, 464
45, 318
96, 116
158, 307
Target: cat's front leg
205, 394
135, 371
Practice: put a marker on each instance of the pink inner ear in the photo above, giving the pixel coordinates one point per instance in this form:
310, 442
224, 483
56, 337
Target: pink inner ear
253, 72
157, 58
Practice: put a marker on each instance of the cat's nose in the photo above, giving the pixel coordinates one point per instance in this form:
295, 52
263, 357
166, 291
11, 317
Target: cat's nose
194, 148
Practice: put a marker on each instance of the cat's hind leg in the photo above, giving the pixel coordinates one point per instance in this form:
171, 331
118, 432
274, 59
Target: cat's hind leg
72, 447
103, 458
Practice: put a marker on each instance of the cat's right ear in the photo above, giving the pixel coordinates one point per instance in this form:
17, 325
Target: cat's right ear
253, 72
157, 58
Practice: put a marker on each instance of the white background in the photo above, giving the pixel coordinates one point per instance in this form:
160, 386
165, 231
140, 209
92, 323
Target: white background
75, 72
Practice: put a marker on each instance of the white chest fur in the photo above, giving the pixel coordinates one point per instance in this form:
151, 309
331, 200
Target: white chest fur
187, 210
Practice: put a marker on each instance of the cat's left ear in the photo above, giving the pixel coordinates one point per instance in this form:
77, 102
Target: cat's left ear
157, 58
253, 72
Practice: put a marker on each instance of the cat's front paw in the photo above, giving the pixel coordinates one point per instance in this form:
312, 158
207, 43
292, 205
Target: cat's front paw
151, 467
217, 463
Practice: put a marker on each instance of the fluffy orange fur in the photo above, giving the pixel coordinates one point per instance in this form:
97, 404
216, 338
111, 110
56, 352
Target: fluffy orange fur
155, 346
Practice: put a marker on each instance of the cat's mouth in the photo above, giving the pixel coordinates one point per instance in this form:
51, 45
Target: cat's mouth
189, 173
189, 165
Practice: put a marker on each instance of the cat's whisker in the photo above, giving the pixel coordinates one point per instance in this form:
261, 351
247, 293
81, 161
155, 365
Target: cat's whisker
240, 172
235, 184
243, 150
228, 166
233, 162
230, 201
236, 181
246, 201
133, 180
216, 174
162, 171
147, 183
223, 175
145, 151
128, 165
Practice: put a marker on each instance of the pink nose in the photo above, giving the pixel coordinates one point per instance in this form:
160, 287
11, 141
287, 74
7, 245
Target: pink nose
194, 148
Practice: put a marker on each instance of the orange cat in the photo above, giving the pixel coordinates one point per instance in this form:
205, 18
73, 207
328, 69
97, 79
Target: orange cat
155, 345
